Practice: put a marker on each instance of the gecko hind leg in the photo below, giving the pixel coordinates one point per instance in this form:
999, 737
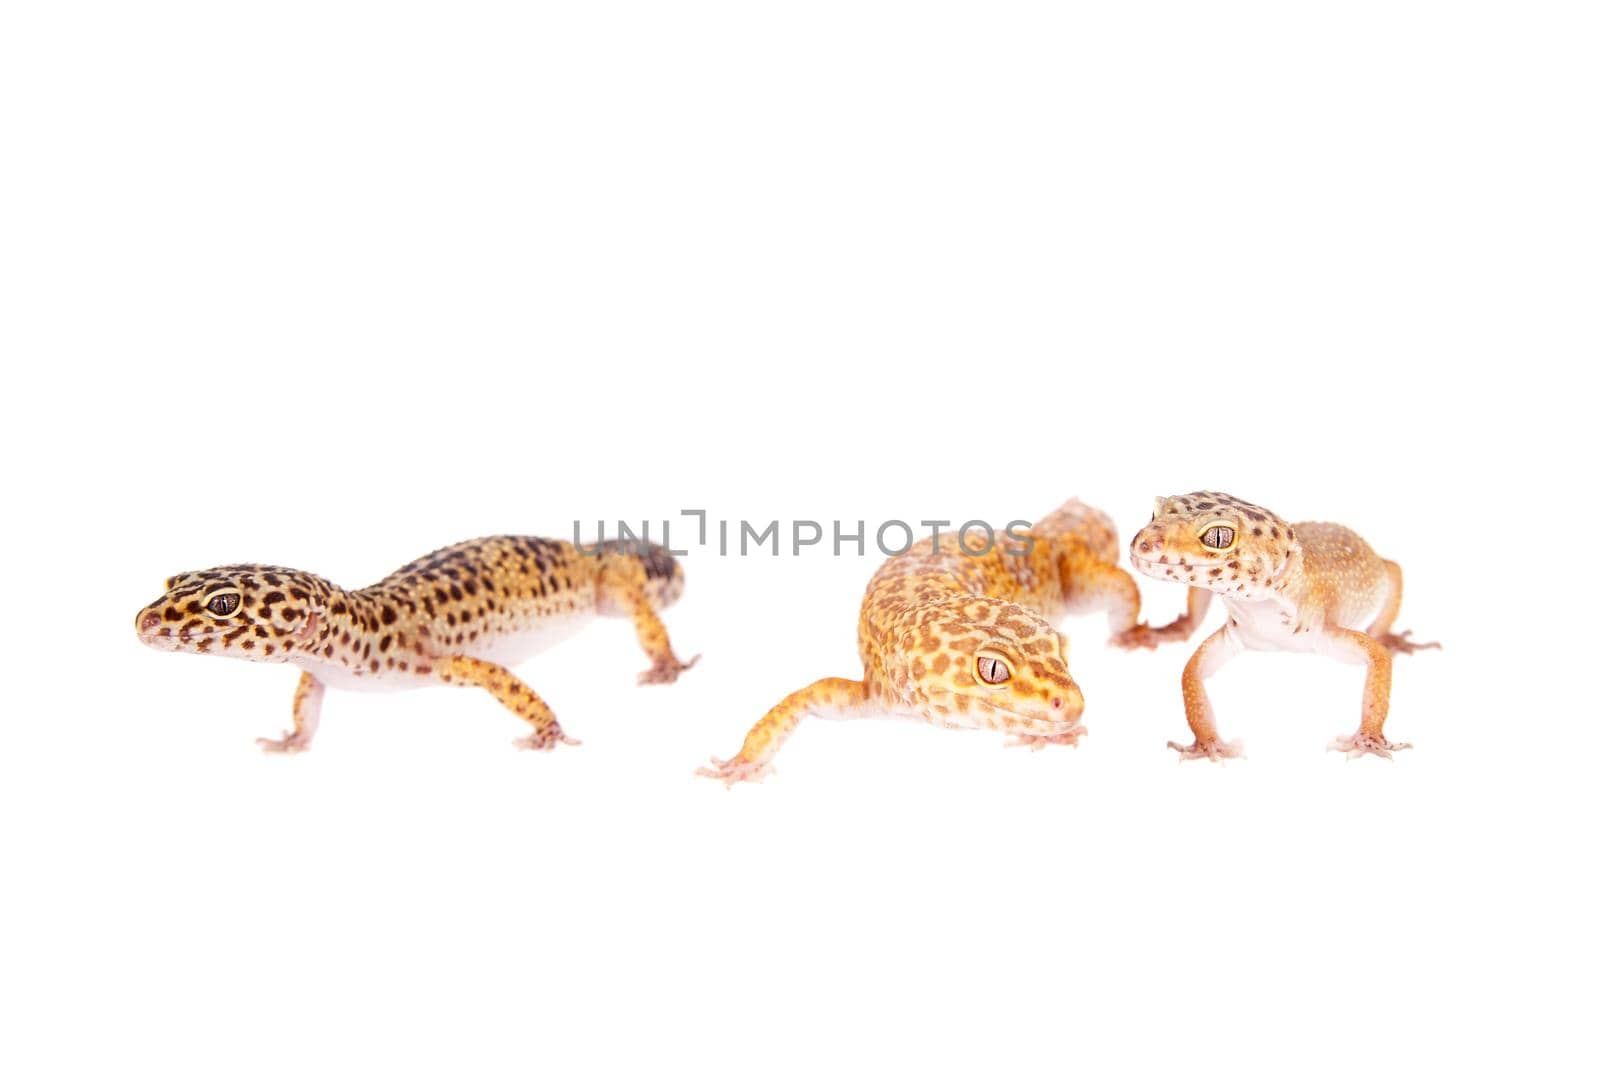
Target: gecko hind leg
307, 713
622, 591
1379, 630
1095, 585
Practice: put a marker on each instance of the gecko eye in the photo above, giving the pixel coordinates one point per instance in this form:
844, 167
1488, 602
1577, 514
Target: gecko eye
224, 604
992, 670
1217, 537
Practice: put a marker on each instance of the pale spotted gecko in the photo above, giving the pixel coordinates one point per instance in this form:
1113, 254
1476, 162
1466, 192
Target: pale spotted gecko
1302, 587
962, 640
460, 616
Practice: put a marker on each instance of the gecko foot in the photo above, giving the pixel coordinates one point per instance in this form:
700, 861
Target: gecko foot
288, 744
1360, 744
544, 738
731, 771
1140, 636
666, 671
1401, 643
1039, 743
1215, 749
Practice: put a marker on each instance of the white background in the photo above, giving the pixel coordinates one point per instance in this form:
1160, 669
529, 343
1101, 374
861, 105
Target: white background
332, 284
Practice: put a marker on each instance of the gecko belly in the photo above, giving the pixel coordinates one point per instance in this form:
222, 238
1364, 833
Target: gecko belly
519, 645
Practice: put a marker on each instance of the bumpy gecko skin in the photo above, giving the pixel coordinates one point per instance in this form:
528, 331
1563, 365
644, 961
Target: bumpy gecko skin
1304, 587
957, 634
457, 617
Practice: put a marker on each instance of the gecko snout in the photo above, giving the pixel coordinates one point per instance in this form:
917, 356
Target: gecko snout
147, 620
1068, 709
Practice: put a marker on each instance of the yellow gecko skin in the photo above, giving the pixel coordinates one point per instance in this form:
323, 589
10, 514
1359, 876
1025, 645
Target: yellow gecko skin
1304, 587
459, 616
957, 634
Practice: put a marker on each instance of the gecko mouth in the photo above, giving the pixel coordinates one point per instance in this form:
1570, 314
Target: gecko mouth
1171, 564
170, 640
1048, 722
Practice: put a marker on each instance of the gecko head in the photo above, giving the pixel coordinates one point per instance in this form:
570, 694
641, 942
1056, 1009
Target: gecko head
264, 613
1217, 542
988, 660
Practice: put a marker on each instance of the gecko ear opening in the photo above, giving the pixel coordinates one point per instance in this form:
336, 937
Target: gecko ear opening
308, 628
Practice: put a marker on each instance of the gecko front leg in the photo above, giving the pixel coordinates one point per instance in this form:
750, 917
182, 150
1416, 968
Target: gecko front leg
1213, 653
515, 696
307, 712
1351, 646
832, 697
622, 591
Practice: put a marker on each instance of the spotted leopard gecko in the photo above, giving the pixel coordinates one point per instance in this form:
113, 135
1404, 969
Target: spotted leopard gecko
1303, 587
955, 632
460, 616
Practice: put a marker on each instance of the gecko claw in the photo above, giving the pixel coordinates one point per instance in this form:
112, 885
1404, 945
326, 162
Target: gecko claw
666, 671
1216, 750
1359, 744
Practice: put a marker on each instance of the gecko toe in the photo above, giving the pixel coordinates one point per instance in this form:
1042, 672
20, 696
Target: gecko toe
1214, 750
732, 771
666, 671
1359, 744
288, 744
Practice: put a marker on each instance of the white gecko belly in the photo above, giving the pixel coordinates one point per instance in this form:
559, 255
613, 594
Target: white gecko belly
1266, 625
509, 649
503, 649
335, 676
1270, 626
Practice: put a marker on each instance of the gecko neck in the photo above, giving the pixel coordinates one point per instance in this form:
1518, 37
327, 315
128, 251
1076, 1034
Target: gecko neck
343, 612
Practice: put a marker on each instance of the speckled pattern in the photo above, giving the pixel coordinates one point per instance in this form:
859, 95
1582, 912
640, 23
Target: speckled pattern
963, 639
459, 616
1302, 587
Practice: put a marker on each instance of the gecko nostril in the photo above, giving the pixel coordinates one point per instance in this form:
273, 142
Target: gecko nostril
1056, 703
1144, 545
149, 620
